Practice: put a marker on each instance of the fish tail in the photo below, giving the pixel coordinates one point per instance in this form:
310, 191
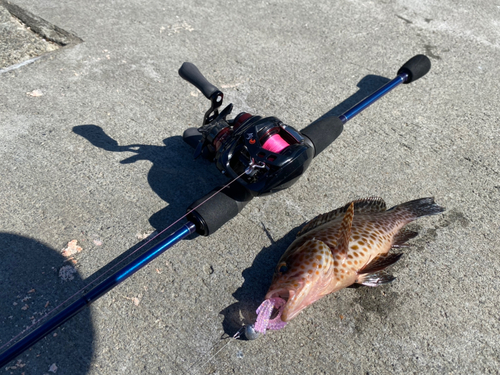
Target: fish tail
420, 207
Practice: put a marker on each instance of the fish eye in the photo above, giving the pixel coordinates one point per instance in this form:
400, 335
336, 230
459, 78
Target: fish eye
283, 268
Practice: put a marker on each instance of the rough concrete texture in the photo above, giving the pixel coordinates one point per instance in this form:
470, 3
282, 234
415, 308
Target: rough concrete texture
19, 43
96, 156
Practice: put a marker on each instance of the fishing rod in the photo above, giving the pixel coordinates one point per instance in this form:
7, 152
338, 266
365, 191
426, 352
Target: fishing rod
260, 155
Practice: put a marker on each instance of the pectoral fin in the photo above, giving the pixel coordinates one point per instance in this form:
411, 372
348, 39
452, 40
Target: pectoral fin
375, 279
379, 263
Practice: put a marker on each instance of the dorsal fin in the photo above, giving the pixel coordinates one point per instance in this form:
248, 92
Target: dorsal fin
345, 232
365, 205
370, 204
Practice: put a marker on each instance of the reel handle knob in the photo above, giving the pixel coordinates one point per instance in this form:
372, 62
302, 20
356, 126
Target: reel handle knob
417, 67
190, 73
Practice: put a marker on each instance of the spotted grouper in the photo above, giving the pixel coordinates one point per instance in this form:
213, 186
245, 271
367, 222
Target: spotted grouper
350, 245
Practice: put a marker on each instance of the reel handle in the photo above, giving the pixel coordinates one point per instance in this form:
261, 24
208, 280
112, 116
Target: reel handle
190, 73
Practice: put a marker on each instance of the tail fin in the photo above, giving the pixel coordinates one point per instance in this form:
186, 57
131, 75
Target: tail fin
420, 207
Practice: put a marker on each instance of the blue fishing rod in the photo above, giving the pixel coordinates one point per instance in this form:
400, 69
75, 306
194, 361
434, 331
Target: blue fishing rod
260, 155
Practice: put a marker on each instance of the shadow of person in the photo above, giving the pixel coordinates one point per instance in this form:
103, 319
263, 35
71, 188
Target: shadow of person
30, 287
174, 176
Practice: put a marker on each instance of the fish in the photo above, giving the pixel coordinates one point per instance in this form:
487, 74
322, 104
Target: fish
349, 246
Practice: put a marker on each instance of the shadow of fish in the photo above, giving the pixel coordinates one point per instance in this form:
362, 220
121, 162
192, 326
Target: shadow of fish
350, 245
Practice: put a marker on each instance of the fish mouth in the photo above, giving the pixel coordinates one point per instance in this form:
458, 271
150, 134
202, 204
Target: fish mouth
296, 297
283, 293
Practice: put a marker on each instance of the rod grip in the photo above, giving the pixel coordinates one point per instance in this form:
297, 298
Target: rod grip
323, 131
219, 209
417, 67
190, 73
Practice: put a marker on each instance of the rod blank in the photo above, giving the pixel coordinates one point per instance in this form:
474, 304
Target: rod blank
102, 288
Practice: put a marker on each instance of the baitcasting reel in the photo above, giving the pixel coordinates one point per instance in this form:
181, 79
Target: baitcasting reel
272, 154
263, 154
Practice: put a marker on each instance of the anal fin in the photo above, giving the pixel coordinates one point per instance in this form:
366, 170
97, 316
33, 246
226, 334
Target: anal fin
402, 236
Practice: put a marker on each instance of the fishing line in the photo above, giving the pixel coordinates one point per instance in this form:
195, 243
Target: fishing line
231, 339
36, 322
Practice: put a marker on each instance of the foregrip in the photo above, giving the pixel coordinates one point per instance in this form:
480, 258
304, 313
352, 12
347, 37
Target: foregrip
218, 209
323, 132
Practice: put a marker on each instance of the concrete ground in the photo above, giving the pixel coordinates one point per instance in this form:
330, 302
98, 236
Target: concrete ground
91, 150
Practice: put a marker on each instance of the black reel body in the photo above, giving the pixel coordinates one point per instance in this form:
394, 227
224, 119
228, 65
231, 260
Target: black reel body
268, 155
